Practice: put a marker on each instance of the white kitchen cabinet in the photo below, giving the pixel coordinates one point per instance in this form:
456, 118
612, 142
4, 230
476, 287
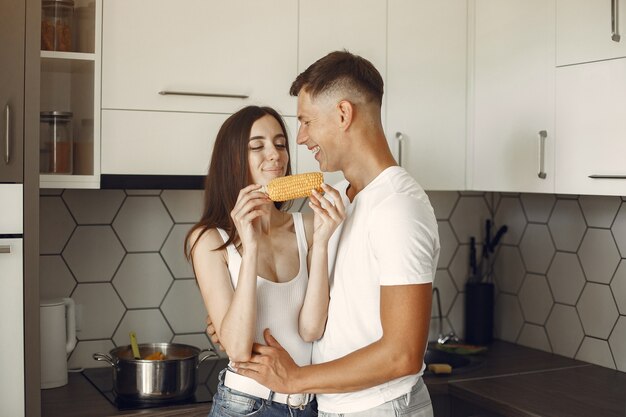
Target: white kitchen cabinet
426, 89
323, 28
591, 124
512, 90
150, 143
585, 30
197, 48
70, 82
147, 143
12, 300
12, 326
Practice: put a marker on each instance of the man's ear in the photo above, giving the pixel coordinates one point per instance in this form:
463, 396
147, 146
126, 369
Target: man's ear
346, 113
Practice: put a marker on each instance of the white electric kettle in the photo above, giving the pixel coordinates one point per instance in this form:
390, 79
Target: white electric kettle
58, 339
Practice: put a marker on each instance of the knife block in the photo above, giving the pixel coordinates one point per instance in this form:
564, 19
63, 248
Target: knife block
479, 313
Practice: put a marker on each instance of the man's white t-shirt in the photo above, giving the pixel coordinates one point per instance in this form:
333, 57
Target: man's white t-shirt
389, 237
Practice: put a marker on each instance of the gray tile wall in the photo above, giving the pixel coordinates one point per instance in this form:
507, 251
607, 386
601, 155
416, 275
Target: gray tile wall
119, 255
559, 272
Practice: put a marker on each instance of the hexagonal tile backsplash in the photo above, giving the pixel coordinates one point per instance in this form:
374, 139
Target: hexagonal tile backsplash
559, 271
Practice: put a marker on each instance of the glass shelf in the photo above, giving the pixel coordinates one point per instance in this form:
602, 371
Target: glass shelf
79, 56
68, 181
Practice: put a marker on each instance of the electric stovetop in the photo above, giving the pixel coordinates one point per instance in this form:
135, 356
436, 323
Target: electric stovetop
208, 372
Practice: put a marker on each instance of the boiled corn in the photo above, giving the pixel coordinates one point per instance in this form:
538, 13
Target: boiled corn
293, 186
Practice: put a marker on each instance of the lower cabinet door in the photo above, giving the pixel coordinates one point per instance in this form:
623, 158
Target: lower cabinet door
157, 143
175, 143
12, 327
462, 408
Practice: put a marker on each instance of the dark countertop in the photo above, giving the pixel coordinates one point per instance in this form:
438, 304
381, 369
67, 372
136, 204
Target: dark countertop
586, 391
501, 359
512, 380
516, 381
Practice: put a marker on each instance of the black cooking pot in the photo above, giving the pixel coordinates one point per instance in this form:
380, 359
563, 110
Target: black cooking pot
155, 380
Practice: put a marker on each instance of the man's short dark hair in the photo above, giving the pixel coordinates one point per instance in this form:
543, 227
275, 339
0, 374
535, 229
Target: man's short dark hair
341, 70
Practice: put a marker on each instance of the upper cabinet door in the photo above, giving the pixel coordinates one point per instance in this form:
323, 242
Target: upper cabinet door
198, 55
591, 121
12, 91
590, 30
426, 89
324, 28
513, 96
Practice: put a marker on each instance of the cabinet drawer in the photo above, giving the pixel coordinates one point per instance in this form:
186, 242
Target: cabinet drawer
591, 126
201, 47
11, 209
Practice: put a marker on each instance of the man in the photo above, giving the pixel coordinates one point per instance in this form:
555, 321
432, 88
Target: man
370, 360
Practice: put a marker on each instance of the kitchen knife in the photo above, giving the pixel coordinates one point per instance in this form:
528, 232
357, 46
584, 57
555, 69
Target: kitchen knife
473, 257
496, 239
487, 237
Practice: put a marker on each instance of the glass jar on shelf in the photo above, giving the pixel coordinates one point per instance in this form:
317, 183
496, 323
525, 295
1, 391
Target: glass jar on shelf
56, 25
83, 148
56, 143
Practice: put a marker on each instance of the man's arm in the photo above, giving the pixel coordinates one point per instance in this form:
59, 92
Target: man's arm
405, 317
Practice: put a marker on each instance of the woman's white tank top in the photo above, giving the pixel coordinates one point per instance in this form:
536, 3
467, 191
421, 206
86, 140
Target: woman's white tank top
279, 303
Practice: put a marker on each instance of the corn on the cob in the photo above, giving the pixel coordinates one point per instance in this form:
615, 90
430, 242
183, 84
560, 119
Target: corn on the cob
293, 186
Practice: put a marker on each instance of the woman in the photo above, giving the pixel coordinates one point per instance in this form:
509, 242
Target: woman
252, 260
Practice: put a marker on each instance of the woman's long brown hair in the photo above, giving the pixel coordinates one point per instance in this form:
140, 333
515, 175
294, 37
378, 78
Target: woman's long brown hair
229, 173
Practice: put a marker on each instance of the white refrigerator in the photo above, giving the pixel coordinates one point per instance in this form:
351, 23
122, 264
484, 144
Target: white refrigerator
11, 300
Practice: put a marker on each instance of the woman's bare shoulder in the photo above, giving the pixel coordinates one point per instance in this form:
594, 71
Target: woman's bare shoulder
207, 239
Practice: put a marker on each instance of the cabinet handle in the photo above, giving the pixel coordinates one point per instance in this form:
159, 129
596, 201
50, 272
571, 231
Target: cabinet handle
5, 249
7, 134
400, 138
542, 154
607, 177
192, 93
615, 37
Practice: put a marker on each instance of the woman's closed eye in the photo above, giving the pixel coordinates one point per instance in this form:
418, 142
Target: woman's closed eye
255, 145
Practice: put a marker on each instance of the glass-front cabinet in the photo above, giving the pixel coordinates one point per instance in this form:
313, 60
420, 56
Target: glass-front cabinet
70, 94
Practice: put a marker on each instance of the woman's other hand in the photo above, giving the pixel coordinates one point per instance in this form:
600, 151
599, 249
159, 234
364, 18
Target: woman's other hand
251, 204
212, 333
328, 214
